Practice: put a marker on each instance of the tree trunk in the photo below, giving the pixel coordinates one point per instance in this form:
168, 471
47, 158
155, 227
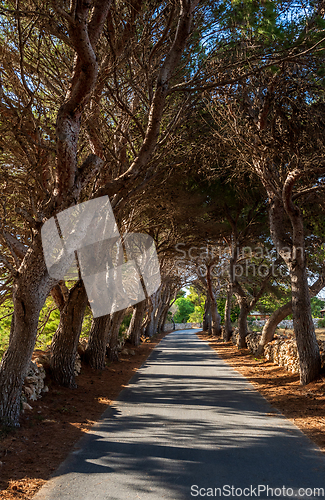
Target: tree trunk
215, 316
98, 339
161, 314
151, 329
152, 326
215, 320
65, 341
283, 311
309, 357
134, 330
227, 332
242, 324
166, 303
295, 258
164, 309
244, 311
30, 290
33, 283
207, 317
116, 320
17, 358
271, 324
163, 318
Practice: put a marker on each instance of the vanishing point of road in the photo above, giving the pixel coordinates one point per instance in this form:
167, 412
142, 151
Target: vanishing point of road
189, 426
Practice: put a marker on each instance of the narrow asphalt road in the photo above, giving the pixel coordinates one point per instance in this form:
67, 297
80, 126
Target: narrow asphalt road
189, 426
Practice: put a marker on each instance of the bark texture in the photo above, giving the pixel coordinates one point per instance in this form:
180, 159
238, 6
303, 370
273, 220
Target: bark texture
116, 320
31, 287
207, 317
134, 330
164, 308
309, 357
154, 312
294, 257
98, 339
271, 324
227, 331
242, 323
215, 316
65, 341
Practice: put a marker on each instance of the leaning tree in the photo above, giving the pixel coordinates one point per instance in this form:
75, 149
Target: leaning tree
76, 37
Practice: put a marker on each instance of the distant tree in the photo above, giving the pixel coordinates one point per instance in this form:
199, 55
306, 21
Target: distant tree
270, 302
198, 301
316, 306
185, 308
235, 309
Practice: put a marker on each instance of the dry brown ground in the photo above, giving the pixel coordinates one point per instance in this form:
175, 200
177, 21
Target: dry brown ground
30, 454
303, 405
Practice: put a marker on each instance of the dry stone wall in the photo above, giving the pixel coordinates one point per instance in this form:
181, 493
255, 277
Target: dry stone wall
286, 323
34, 386
34, 382
181, 326
282, 350
252, 341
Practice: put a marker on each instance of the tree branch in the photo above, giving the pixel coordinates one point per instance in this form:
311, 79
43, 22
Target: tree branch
15, 246
84, 37
90, 167
156, 109
10, 268
288, 186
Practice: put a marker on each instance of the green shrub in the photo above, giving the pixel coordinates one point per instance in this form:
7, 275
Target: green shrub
125, 325
6, 310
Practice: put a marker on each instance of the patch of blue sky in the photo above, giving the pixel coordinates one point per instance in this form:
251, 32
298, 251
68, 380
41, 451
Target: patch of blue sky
282, 16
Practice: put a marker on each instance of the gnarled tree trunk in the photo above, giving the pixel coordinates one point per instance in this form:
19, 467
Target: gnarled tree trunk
116, 320
98, 339
271, 324
244, 311
134, 330
309, 357
227, 331
164, 308
163, 319
242, 323
30, 289
295, 258
215, 320
152, 326
207, 317
302, 323
65, 341
215, 316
